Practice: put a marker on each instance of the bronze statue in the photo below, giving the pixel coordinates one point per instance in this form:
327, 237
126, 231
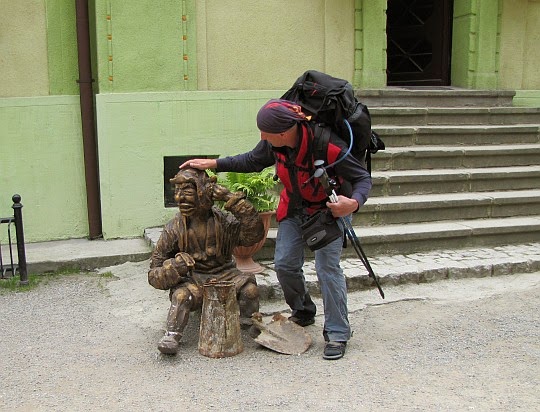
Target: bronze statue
196, 247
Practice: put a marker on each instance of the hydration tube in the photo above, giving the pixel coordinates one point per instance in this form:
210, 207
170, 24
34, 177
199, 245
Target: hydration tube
348, 150
320, 163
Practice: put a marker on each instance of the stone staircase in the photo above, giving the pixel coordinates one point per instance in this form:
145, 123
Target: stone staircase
461, 169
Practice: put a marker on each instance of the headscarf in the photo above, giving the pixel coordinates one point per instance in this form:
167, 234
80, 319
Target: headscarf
279, 115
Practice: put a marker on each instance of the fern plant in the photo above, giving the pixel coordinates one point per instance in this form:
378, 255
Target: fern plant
259, 187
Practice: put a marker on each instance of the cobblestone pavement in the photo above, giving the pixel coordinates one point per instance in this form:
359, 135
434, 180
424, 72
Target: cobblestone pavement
421, 267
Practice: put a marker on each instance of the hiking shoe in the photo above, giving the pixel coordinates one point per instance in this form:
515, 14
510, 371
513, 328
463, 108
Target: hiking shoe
254, 331
246, 323
334, 350
302, 321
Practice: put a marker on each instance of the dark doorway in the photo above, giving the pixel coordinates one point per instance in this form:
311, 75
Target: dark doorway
419, 34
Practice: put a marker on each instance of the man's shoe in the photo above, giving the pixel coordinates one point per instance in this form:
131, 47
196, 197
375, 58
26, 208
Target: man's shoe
334, 350
168, 344
302, 321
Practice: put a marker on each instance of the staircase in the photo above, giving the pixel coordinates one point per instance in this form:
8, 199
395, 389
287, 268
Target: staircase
461, 169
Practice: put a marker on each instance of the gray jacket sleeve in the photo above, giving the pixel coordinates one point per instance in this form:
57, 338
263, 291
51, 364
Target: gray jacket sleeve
257, 159
355, 174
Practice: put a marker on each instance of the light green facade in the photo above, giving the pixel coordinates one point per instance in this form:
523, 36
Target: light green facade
370, 44
61, 47
42, 160
186, 77
519, 51
23, 49
475, 51
136, 132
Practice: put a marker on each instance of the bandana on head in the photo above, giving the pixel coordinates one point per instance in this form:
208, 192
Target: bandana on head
279, 115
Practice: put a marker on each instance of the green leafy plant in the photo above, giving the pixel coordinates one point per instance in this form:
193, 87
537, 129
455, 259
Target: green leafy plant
260, 188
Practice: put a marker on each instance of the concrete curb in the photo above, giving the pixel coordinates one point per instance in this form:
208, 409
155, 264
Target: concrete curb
83, 254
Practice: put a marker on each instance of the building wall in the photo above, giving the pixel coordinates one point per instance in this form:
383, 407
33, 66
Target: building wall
370, 44
62, 66
41, 158
186, 78
23, 48
215, 45
140, 45
520, 54
146, 58
475, 37
137, 130
41, 155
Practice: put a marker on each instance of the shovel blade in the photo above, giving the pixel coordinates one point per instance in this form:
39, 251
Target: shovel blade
283, 336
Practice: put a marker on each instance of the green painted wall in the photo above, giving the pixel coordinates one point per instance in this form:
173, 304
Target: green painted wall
136, 131
520, 37
145, 46
43, 162
475, 40
264, 44
527, 98
23, 48
212, 45
138, 48
370, 44
63, 70
40, 137
38, 48
187, 77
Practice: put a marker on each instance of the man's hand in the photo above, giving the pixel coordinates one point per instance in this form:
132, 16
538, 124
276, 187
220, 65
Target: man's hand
201, 164
344, 206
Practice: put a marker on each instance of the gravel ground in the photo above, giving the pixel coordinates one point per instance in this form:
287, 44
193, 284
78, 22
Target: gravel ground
88, 342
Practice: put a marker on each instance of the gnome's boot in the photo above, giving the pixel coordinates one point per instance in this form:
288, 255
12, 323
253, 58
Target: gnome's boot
176, 321
169, 343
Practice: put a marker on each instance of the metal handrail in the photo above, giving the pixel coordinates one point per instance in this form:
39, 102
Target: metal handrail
21, 253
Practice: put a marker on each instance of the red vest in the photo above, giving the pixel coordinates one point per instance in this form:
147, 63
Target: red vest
299, 191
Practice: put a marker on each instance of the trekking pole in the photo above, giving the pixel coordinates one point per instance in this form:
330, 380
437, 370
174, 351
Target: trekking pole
328, 185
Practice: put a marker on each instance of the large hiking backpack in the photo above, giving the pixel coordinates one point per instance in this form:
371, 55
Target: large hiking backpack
330, 101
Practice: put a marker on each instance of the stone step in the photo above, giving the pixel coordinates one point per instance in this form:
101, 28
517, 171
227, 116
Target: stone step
448, 157
434, 97
432, 181
424, 116
471, 135
417, 267
418, 237
393, 210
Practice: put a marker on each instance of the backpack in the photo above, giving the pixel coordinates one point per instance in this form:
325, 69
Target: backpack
330, 101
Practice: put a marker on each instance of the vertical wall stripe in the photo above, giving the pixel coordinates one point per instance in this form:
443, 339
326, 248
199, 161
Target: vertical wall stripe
110, 73
185, 49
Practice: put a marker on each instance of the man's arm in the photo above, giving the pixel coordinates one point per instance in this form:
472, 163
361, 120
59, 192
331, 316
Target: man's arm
354, 172
253, 161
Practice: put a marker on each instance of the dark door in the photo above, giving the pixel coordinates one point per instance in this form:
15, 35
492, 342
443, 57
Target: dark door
419, 36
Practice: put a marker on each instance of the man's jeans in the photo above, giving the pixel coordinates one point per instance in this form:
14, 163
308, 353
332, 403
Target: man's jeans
289, 259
